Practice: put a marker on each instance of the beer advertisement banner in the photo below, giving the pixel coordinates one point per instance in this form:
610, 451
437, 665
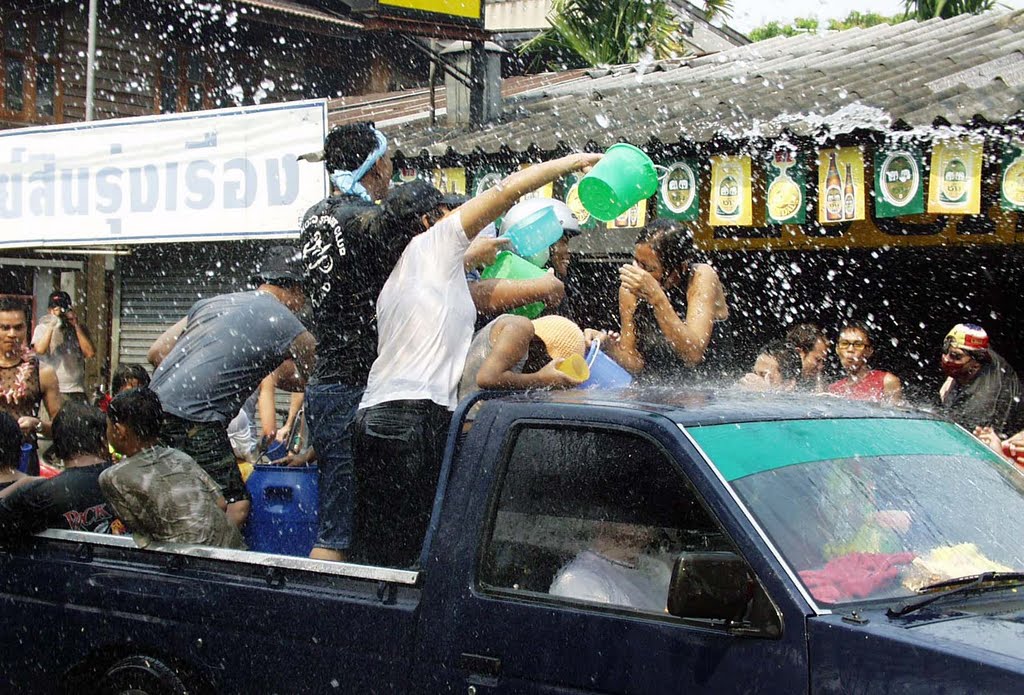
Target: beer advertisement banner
840, 185
634, 218
678, 193
786, 200
730, 192
570, 186
954, 186
486, 177
1011, 185
450, 180
899, 181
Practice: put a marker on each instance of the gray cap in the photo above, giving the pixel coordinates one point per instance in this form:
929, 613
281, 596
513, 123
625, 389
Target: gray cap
280, 263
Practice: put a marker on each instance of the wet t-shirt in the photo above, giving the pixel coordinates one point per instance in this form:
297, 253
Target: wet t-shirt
349, 247
230, 343
162, 495
426, 321
72, 501
594, 577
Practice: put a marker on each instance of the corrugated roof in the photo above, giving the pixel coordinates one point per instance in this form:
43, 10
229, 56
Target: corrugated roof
395, 108
956, 69
297, 10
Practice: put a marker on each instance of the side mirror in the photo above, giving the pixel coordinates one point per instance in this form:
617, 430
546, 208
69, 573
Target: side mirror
711, 585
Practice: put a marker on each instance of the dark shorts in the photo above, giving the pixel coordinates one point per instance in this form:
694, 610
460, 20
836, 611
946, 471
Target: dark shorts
330, 411
208, 444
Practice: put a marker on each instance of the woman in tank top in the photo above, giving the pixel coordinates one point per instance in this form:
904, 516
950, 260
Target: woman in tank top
670, 309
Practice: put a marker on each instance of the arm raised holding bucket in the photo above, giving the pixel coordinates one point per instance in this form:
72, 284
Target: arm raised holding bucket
480, 211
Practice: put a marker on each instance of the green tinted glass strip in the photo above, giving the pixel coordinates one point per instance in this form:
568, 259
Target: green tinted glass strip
746, 448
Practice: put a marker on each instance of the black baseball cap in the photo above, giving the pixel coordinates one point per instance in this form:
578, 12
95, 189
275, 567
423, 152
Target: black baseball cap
59, 299
282, 263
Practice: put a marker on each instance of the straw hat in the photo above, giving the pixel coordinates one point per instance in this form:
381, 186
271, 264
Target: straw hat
560, 336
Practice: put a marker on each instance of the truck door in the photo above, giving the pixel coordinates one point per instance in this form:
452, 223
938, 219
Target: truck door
565, 588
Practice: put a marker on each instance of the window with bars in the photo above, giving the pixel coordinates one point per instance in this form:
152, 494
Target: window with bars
186, 82
29, 68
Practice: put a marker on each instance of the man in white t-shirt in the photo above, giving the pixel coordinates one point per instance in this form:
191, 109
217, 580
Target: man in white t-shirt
63, 343
425, 320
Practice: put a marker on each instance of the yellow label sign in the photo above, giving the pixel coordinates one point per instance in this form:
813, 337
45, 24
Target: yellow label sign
955, 180
730, 192
457, 8
450, 180
545, 191
633, 218
840, 185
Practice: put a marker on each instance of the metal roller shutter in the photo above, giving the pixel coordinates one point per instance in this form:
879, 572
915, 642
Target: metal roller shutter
160, 283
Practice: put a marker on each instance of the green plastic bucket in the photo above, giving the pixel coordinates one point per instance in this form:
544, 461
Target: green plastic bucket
623, 177
508, 266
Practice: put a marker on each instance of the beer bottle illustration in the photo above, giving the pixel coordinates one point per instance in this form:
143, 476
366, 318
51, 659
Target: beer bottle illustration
833, 191
953, 188
1013, 176
729, 192
849, 195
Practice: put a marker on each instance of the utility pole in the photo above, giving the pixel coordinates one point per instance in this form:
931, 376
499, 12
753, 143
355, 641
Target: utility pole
90, 62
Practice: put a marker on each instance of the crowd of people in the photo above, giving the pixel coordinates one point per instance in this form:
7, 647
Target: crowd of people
400, 327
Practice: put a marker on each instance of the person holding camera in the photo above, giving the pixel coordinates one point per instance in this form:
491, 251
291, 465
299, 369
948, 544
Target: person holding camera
64, 344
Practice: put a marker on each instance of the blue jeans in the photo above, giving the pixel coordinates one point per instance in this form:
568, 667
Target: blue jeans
330, 412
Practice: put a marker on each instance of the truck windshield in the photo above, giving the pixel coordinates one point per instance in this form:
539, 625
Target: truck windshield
871, 509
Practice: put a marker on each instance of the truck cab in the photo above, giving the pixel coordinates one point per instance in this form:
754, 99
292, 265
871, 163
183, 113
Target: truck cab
606, 542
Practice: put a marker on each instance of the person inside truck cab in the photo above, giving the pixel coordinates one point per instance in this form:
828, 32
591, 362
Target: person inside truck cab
425, 321
160, 493
617, 569
513, 352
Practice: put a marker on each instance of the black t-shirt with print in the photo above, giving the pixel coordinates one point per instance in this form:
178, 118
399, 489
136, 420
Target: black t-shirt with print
71, 501
349, 247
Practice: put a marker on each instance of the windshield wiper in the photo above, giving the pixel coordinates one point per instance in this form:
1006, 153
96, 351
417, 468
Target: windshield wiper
959, 585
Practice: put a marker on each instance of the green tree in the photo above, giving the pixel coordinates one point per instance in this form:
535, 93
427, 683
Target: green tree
863, 20
801, 25
922, 10
809, 25
610, 32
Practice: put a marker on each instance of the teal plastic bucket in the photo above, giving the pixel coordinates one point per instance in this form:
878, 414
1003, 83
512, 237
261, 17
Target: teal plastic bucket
605, 373
508, 266
535, 232
623, 177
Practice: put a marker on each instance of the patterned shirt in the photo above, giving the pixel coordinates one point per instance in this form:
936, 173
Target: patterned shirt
162, 495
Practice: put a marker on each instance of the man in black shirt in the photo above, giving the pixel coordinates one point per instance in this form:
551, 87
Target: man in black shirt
981, 388
71, 500
349, 246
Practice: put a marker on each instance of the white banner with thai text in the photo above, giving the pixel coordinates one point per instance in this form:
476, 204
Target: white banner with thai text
202, 176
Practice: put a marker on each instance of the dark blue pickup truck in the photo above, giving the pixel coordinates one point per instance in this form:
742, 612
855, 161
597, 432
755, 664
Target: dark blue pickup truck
634, 542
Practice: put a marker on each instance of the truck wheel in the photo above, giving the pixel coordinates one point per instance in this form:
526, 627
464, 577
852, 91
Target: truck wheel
141, 675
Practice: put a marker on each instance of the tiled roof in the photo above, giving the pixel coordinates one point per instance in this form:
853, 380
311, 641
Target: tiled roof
915, 72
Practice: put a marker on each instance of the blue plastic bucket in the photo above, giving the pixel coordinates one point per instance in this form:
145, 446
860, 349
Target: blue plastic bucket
535, 232
605, 373
285, 502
